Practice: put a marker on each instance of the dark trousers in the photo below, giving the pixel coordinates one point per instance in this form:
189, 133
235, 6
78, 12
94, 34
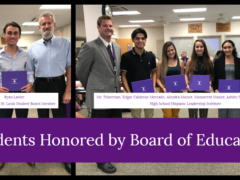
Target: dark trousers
109, 113
193, 113
53, 86
20, 113
7, 113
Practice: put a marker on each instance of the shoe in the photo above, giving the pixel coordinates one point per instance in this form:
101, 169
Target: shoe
1, 165
107, 167
31, 164
68, 167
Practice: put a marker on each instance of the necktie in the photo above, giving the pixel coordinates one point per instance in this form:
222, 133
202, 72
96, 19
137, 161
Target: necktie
109, 48
111, 56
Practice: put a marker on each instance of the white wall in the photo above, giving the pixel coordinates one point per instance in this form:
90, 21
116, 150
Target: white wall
91, 14
27, 40
208, 29
80, 28
65, 31
154, 34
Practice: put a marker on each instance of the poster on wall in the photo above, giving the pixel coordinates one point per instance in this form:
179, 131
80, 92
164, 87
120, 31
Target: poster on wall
220, 27
195, 28
3, 41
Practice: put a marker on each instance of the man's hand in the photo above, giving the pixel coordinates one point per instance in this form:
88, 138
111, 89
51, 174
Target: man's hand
27, 88
3, 90
66, 97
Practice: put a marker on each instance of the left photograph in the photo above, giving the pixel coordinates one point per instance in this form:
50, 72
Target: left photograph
35, 57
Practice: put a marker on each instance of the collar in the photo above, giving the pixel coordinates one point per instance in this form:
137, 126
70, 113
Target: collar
3, 49
105, 42
51, 40
134, 53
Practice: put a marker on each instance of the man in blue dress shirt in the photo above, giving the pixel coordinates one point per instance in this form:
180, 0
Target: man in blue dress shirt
13, 58
49, 57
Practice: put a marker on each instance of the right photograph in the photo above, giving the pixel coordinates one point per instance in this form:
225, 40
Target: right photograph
148, 48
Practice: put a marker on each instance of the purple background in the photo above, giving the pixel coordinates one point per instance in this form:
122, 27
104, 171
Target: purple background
145, 127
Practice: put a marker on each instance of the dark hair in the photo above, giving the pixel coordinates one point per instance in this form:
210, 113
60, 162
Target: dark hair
219, 52
14, 24
234, 52
139, 30
207, 63
99, 21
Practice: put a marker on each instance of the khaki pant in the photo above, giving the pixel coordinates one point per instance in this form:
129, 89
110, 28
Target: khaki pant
136, 113
169, 113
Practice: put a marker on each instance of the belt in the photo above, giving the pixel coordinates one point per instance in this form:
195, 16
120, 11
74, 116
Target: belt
49, 79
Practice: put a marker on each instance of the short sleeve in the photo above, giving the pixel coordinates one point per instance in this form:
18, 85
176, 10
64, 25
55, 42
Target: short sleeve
68, 54
123, 64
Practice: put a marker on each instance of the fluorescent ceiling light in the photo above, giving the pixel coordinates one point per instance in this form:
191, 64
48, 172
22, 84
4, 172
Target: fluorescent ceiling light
129, 25
189, 10
27, 32
125, 12
236, 17
55, 7
141, 21
192, 19
30, 24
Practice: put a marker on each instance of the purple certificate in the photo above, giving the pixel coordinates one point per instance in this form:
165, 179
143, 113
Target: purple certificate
144, 86
199, 83
228, 86
175, 83
14, 80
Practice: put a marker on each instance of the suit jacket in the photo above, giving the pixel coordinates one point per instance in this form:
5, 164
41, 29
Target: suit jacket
219, 70
95, 70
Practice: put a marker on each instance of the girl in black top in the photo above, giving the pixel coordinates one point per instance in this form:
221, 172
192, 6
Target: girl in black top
199, 64
227, 67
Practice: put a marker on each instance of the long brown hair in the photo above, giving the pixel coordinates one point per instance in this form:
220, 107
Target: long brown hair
164, 63
207, 63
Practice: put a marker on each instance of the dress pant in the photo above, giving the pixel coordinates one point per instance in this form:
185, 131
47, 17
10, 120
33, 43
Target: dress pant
193, 113
228, 113
136, 113
52, 86
20, 113
106, 113
7, 113
169, 113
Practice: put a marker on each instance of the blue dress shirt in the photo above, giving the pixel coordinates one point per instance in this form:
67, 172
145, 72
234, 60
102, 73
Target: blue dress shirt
50, 59
20, 62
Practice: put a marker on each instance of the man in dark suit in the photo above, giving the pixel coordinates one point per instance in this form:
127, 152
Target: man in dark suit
98, 69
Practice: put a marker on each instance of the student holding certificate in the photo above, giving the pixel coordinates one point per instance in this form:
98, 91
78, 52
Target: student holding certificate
137, 65
14, 58
169, 65
199, 64
227, 67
